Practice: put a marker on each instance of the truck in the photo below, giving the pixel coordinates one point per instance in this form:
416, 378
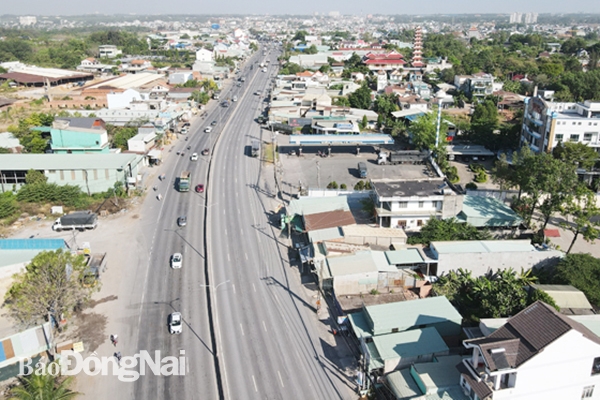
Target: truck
80, 220
216, 95
184, 181
255, 148
362, 169
402, 157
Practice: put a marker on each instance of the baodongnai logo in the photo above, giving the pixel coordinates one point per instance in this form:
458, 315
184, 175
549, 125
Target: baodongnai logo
128, 369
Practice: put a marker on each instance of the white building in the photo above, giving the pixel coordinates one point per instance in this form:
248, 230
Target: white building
27, 20
547, 123
123, 99
204, 55
108, 51
515, 18
538, 354
409, 204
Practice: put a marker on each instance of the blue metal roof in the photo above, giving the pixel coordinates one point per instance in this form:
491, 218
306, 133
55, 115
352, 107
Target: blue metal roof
341, 139
32, 244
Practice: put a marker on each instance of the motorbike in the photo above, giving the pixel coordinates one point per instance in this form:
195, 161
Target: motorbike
178, 153
189, 147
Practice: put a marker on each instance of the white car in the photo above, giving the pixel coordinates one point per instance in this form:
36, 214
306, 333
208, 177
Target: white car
176, 260
194, 157
175, 323
208, 129
234, 98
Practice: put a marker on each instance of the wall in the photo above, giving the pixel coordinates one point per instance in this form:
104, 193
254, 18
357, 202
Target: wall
122, 100
561, 371
355, 284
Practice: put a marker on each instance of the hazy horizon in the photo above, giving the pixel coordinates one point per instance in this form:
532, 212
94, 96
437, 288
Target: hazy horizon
309, 7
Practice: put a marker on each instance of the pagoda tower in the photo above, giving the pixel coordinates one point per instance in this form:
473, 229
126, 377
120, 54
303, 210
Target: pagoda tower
417, 57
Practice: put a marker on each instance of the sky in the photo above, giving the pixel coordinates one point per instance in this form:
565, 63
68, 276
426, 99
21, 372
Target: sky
276, 7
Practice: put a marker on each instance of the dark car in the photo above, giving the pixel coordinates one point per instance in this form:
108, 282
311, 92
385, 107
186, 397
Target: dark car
205, 152
182, 221
213, 123
200, 188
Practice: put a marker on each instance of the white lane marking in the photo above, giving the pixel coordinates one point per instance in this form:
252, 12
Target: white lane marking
280, 380
254, 380
254, 287
241, 231
225, 232
264, 326
239, 213
242, 329
246, 254
233, 284
228, 258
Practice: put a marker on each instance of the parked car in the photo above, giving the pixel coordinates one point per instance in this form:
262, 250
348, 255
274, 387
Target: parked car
205, 152
182, 221
200, 188
194, 157
175, 323
176, 260
208, 129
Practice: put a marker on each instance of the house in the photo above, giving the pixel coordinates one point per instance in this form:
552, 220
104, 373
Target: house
401, 316
143, 141
387, 62
204, 55
408, 204
387, 353
570, 300
108, 51
382, 80
478, 85
487, 212
435, 380
93, 173
537, 354
483, 256
547, 123
10, 142
78, 136
135, 66
33, 343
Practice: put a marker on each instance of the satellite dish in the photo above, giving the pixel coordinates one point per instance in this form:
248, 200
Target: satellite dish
215, 26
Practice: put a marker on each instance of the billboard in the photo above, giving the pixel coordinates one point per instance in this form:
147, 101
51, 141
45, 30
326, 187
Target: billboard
299, 122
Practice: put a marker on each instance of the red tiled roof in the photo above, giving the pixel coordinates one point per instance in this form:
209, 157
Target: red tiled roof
381, 61
329, 219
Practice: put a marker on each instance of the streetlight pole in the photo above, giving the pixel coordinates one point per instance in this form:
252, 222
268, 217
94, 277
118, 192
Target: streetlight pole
318, 175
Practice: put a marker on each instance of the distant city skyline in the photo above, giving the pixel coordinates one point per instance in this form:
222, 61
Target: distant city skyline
271, 7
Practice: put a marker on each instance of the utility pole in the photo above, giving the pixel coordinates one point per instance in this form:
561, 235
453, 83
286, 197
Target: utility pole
318, 175
439, 121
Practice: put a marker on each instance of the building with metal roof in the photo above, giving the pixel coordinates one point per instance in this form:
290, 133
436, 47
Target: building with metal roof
487, 212
569, 299
383, 319
436, 380
358, 139
399, 350
128, 81
93, 173
16, 253
483, 256
36, 76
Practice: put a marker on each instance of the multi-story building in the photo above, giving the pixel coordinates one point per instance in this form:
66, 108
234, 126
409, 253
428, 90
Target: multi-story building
537, 354
387, 62
515, 18
546, 123
108, 51
410, 203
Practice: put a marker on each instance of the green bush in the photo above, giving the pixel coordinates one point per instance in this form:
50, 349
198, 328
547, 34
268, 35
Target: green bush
343, 186
332, 185
471, 186
481, 177
8, 204
360, 185
475, 167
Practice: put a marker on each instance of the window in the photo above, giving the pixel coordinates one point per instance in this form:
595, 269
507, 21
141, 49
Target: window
559, 137
579, 123
596, 366
588, 392
574, 138
402, 223
403, 204
419, 222
421, 204
587, 137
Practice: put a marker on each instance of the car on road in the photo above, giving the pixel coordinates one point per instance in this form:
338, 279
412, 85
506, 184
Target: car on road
175, 323
176, 260
194, 157
184, 131
213, 123
205, 152
238, 84
208, 129
234, 98
199, 188
182, 221
258, 93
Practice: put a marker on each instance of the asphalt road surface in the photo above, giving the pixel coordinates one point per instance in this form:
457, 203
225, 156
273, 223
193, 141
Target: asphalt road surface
248, 333
266, 333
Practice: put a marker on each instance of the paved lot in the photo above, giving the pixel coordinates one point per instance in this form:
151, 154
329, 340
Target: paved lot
466, 175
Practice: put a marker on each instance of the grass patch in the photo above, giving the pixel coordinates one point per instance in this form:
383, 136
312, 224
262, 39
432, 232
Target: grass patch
267, 152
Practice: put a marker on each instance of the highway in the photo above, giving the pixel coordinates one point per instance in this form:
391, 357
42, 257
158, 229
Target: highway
268, 344
248, 332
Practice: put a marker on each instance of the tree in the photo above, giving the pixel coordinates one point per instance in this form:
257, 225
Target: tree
43, 386
447, 229
582, 215
364, 123
361, 98
578, 154
484, 121
200, 97
34, 177
311, 50
423, 129
300, 36
581, 271
52, 285
559, 181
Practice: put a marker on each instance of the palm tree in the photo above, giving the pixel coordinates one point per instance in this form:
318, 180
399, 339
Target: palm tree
43, 387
